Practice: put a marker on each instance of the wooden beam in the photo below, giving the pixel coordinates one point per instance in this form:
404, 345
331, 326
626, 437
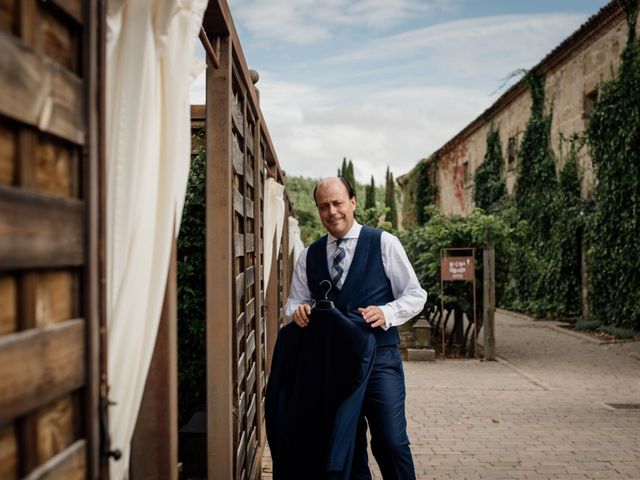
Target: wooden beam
39, 92
219, 254
72, 8
70, 464
40, 365
212, 55
93, 181
39, 230
157, 425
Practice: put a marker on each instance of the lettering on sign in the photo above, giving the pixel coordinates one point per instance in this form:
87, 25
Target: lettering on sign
457, 268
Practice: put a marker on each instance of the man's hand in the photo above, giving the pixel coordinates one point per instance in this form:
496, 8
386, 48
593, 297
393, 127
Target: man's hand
301, 315
373, 315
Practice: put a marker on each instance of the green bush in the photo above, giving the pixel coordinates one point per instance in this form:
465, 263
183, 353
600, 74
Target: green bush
192, 294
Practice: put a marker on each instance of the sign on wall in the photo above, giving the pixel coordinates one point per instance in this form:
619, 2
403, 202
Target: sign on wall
457, 268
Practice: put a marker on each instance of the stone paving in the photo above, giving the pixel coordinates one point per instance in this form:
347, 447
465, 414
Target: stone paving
539, 412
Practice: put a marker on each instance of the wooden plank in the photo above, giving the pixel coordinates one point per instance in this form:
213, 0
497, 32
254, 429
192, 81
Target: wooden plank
248, 172
251, 378
67, 465
250, 243
8, 454
39, 230
241, 452
73, 8
239, 286
55, 297
238, 244
251, 343
157, 425
242, 405
55, 427
8, 155
251, 449
240, 326
7, 15
57, 40
251, 411
238, 119
241, 369
9, 303
54, 169
250, 274
39, 92
248, 208
238, 201
40, 365
250, 310
238, 158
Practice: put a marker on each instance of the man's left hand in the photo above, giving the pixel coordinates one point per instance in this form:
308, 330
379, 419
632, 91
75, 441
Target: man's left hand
373, 315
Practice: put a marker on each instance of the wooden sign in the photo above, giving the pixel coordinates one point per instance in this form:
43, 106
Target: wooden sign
457, 268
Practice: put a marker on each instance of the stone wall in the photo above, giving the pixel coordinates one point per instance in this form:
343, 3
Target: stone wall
572, 80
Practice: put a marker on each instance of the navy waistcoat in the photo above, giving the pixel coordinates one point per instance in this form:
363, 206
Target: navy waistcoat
366, 283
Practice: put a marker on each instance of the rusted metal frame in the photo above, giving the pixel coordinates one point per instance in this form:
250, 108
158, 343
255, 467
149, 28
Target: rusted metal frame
219, 258
157, 424
212, 52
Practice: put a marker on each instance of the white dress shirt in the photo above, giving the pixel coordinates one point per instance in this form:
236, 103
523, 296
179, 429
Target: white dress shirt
409, 296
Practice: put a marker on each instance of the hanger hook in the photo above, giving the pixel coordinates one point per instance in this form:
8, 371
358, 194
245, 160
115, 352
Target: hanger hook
328, 289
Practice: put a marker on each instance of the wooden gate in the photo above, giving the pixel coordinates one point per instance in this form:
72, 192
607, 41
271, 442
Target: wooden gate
50, 299
241, 322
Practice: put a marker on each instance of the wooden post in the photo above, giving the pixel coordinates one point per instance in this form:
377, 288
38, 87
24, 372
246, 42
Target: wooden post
272, 308
157, 425
219, 253
489, 302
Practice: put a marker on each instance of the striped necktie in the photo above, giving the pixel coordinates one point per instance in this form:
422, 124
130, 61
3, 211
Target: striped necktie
339, 263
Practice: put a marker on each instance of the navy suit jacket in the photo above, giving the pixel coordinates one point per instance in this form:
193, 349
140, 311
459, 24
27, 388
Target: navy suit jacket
314, 396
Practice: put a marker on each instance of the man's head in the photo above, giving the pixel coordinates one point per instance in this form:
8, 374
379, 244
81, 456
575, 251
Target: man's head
336, 202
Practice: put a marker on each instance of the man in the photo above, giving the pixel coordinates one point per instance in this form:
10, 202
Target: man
373, 282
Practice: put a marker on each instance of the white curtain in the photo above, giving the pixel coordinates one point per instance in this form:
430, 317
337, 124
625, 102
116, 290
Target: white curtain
295, 240
149, 55
274, 211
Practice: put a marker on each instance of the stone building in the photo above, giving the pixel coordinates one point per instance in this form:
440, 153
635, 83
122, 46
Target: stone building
573, 71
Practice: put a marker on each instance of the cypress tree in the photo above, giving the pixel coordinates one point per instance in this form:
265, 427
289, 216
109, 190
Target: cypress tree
425, 193
390, 200
370, 197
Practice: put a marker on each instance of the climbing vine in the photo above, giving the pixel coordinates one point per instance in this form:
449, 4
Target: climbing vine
614, 139
547, 224
425, 190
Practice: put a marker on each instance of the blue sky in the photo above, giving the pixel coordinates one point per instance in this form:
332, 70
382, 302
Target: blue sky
386, 82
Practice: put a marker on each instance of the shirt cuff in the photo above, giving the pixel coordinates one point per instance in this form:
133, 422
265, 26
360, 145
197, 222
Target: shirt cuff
389, 317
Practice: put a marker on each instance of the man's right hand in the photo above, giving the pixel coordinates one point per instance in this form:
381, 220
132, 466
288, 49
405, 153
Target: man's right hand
301, 315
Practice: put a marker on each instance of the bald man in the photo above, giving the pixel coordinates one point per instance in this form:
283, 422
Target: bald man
373, 284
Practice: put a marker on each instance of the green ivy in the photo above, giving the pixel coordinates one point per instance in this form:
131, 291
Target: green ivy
548, 222
614, 138
191, 293
490, 189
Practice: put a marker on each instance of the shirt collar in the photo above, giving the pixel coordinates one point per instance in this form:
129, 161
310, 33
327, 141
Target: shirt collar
353, 233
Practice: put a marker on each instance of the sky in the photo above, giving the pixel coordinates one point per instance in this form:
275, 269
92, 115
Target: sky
385, 83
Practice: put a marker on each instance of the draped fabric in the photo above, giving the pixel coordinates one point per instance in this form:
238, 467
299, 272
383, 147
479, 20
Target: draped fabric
274, 212
314, 396
295, 241
149, 59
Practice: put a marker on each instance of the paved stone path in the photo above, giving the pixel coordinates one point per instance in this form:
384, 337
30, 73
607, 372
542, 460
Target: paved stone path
540, 412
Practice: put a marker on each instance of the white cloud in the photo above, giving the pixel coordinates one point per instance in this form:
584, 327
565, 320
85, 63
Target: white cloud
310, 21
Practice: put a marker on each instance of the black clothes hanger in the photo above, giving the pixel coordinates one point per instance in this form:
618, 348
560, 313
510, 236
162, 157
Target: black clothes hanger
325, 303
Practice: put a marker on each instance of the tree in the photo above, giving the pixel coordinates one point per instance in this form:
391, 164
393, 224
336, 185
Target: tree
425, 193
370, 197
490, 189
390, 201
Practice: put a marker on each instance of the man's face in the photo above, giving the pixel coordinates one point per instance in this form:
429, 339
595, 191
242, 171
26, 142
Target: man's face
335, 207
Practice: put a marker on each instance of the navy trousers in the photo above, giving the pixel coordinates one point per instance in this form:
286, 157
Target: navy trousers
383, 410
